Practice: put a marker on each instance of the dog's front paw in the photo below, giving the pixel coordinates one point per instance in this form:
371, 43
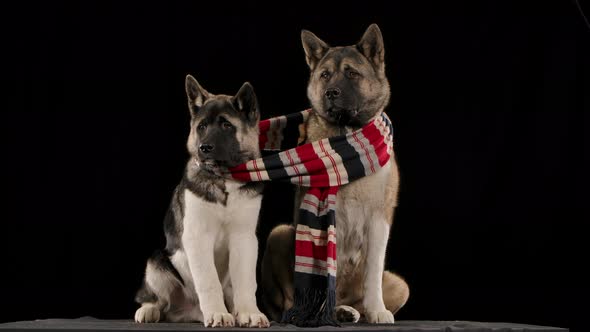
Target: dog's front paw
252, 319
148, 313
346, 313
218, 319
379, 317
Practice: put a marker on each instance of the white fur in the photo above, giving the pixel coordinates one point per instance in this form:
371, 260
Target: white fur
363, 233
221, 251
347, 313
148, 313
377, 244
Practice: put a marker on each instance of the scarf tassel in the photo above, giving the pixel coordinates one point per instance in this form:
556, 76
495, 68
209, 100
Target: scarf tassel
312, 308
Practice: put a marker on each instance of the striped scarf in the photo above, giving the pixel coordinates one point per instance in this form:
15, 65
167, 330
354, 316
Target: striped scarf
322, 166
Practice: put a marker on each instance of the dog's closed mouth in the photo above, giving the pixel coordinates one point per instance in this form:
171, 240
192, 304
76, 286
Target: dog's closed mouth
342, 116
336, 111
209, 165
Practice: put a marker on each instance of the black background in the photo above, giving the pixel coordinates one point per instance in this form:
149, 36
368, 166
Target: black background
489, 102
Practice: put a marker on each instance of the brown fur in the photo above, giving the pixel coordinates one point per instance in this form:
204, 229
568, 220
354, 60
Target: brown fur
365, 197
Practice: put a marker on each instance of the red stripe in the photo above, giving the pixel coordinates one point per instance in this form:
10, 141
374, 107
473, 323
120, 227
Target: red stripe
331, 251
309, 249
381, 148
373, 135
263, 126
241, 173
383, 154
314, 165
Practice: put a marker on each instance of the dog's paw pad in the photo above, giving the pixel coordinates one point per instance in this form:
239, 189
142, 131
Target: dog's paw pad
256, 319
148, 313
347, 314
379, 317
218, 319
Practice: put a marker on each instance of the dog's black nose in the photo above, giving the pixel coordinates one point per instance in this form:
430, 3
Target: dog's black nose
332, 93
206, 148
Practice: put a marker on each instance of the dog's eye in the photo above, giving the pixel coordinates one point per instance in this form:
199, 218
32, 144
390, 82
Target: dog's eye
325, 74
201, 127
226, 125
353, 74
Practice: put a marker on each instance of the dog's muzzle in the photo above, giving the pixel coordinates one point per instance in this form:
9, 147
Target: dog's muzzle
341, 116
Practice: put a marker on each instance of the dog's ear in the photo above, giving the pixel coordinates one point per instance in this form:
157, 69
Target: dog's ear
315, 48
372, 47
246, 103
195, 93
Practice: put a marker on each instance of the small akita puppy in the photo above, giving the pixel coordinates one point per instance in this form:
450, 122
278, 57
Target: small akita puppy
207, 272
347, 89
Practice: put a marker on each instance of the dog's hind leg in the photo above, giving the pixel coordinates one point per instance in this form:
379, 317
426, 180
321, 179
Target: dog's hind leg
277, 271
156, 294
395, 291
350, 308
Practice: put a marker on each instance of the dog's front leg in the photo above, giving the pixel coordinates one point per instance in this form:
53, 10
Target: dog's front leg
243, 252
378, 234
199, 244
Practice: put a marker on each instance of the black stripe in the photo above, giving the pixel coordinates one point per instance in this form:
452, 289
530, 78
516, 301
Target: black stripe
275, 167
388, 123
322, 223
309, 280
272, 162
351, 159
291, 131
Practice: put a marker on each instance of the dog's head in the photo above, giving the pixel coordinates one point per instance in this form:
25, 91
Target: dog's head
347, 84
224, 129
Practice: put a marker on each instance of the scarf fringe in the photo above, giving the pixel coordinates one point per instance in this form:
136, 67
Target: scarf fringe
312, 308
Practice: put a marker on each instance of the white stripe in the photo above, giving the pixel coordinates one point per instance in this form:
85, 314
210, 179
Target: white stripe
329, 264
270, 135
290, 167
317, 236
275, 132
385, 131
319, 205
307, 237
314, 231
339, 165
328, 165
310, 260
305, 180
332, 198
332, 267
263, 173
311, 270
281, 130
363, 152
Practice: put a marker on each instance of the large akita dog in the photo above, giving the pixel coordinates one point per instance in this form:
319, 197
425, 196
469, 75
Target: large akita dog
347, 89
207, 272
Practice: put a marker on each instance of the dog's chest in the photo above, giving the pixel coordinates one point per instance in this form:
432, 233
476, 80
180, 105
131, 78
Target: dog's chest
357, 205
201, 214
